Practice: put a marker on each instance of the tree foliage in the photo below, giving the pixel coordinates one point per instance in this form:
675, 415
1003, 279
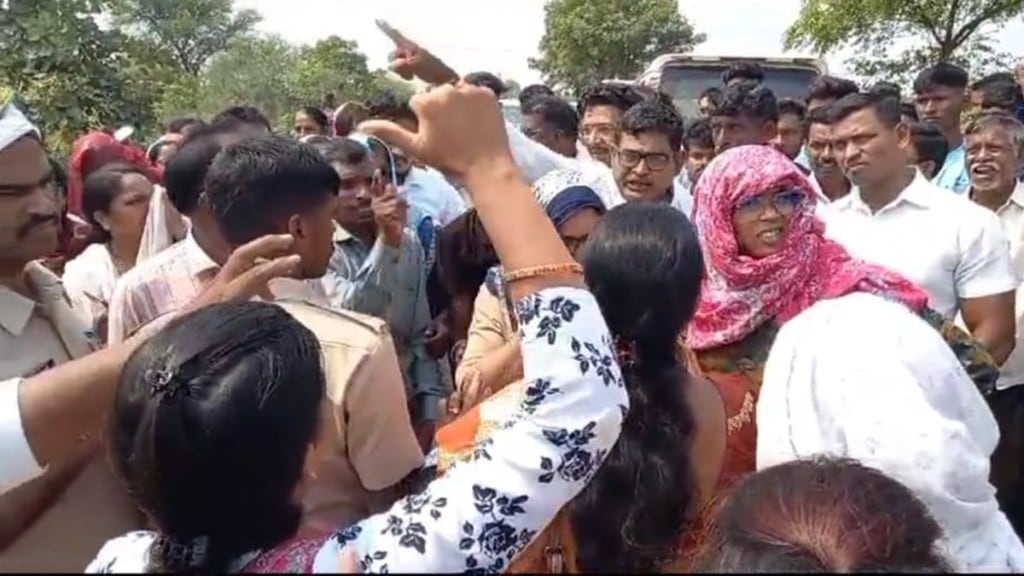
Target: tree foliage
161, 59
69, 73
586, 41
278, 78
956, 31
191, 31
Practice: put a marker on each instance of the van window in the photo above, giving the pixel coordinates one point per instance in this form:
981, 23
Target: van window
685, 83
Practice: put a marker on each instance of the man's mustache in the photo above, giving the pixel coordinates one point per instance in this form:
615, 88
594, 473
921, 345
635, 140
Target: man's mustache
36, 220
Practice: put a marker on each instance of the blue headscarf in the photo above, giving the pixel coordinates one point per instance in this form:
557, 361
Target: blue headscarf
562, 196
567, 203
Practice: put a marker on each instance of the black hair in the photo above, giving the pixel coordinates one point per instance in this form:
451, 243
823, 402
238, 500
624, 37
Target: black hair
60, 176
794, 107
750, 100
210, 427
340, 150
885, 88
994, 78
643, 264
388, 105
532, 91
1001, 94
657, 118
99, 191
154, 150
246, 114
929, 142
464, 254
942, 74
555, 112
186, 170
253, 183
616, 95
830, 88
699, 134
819, 115
178, 125
316, 115
746, 71
487, 80
909, 110
714, 94
885, 108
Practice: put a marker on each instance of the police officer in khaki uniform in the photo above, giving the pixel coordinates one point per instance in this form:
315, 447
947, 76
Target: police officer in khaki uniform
58, 521
370, 447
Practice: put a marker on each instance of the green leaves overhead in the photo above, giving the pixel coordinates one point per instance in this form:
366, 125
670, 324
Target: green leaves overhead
586, 41
192, 31
935, 30
79, 65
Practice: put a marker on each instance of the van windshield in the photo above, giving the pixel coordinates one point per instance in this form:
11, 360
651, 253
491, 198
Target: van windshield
685, 83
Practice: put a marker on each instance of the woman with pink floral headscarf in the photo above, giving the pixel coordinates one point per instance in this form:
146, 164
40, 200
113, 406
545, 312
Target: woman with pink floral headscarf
767, 260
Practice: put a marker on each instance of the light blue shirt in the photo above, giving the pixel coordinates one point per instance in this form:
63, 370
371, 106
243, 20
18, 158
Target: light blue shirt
803, 158
381, 281
953, 175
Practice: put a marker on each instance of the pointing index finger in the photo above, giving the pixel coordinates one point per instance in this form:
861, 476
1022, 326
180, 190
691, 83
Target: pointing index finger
389, 31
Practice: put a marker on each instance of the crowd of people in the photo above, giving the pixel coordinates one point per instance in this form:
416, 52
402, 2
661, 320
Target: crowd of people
412, 337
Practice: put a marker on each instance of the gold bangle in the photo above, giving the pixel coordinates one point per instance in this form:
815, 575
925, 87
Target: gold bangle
544, 270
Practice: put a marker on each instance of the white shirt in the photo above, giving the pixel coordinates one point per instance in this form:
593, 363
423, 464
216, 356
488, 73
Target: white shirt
89, 280
536, 160
428, 190
1011, 216
19, 465
865, 378
946, 244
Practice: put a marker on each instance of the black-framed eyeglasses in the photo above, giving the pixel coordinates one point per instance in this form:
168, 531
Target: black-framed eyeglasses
656, 161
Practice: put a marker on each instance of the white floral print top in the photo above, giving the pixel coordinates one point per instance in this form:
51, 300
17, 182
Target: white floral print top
485, 510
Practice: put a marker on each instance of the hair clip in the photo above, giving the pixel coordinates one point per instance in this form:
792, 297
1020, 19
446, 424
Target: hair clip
165, 382
179, 552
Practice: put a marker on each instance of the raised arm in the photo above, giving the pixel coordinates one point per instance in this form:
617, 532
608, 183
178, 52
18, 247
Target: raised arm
485, 510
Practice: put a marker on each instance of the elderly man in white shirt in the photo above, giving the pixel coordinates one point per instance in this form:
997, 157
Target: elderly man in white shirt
994, 145
894, 217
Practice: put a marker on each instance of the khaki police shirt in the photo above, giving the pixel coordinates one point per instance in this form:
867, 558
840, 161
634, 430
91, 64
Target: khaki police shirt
36, 334
371, 444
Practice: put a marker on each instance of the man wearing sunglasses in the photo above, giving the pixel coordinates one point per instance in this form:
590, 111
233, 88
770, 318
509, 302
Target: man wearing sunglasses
551, 121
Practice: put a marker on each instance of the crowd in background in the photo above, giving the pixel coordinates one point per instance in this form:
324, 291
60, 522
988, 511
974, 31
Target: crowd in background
782, 336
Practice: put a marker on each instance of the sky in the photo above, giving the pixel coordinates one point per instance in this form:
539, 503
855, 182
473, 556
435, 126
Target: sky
501, 35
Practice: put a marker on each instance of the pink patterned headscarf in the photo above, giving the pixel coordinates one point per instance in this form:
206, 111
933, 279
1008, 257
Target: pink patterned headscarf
740, 292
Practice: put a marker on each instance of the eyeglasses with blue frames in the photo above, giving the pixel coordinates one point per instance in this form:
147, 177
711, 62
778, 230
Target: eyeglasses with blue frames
784, 201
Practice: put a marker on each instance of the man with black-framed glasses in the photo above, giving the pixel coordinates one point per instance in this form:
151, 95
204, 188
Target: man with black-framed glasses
648, 156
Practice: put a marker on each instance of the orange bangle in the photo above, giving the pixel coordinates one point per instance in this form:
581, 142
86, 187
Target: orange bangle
544, 270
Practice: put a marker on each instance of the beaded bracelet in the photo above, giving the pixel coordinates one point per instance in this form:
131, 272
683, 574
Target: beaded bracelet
544, 270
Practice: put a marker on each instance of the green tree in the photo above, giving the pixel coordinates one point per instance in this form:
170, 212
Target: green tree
254, 70
278, 78
956, 31
68, 71
586, 41
191, 31
334, 65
